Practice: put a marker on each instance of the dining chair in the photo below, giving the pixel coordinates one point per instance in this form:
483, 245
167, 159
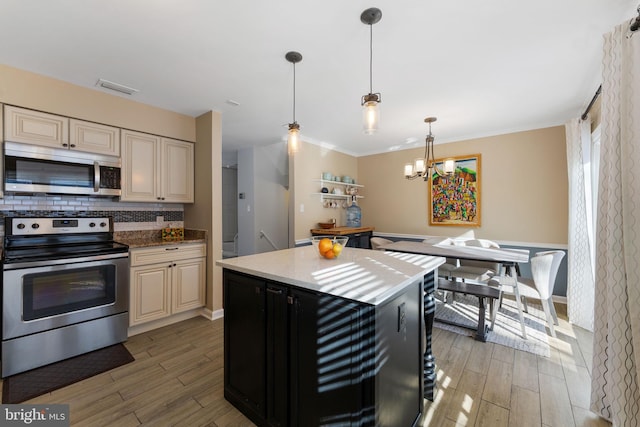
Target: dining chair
376, 242
544, 269
477, 271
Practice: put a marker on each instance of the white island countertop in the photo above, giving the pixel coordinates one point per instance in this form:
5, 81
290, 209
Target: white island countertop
362, 275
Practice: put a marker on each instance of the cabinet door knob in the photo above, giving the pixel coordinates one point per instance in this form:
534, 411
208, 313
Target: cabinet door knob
274, 291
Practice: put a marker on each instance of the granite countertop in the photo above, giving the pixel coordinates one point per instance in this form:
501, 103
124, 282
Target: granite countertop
362, 275
146, 238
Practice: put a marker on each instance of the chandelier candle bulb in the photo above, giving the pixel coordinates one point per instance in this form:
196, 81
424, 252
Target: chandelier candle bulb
449, 166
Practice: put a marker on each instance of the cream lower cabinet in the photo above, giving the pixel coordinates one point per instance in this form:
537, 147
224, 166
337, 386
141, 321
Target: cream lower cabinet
166, 280
156, 169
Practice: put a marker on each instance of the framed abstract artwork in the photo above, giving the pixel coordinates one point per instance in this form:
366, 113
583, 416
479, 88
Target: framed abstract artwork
455, 199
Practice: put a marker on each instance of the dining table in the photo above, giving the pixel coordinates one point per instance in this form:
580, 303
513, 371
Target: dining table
508, 259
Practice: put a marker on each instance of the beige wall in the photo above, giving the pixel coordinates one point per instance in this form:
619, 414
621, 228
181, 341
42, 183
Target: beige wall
524, 189
29, 90
308, 165
206, 212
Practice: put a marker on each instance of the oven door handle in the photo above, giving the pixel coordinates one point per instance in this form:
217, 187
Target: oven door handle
96, 176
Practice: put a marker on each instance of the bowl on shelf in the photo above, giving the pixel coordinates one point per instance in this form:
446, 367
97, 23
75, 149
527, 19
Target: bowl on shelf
327, 176
329, 247
326, 225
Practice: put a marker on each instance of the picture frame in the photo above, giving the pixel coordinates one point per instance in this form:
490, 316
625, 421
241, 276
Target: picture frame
455, 200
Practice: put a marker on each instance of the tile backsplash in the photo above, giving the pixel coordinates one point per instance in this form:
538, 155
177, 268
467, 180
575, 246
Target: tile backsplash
127, 216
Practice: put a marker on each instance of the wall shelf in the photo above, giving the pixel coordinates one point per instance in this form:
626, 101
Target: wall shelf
330, 200
325, 181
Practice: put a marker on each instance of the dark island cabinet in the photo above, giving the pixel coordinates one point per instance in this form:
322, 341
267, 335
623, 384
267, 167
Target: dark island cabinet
294, 357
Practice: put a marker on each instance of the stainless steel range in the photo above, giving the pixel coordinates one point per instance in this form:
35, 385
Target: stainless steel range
65, 290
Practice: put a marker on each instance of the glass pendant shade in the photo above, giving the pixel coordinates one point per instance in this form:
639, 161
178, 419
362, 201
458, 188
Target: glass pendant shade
293, 140
370, 117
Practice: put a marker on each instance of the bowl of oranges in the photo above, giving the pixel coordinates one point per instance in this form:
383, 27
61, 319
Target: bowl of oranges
329, 247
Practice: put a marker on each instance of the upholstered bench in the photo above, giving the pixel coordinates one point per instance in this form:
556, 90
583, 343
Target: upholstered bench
482, 292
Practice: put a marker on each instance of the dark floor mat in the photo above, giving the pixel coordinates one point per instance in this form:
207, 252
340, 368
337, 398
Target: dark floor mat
27, 385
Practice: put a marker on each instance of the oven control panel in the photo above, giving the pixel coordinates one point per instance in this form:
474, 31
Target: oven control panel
38, 226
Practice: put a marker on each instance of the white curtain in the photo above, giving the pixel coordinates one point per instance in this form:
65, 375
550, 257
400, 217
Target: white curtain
615, 384
580, 260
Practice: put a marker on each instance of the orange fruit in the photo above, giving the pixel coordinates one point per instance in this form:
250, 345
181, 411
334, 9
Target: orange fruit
325, 245
328, 254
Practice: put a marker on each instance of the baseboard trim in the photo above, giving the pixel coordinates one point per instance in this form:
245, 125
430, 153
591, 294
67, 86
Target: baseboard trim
212, 315
166, 321
559, 299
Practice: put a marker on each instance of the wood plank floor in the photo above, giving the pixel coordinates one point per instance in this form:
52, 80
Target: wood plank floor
177, 380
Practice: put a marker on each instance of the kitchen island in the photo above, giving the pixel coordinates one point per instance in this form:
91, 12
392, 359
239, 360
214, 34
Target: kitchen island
311, 341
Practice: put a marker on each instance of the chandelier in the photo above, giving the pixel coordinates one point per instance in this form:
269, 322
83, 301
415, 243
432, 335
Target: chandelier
426, 167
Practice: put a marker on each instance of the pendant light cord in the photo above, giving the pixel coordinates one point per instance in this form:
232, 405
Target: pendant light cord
294, 92
370, 58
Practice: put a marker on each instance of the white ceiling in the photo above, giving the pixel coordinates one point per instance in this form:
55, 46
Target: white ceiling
482, 67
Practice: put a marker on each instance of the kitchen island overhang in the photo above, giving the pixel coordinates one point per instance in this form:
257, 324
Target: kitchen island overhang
310, 340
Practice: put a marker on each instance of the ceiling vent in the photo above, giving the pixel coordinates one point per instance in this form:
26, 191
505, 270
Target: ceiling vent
106, 84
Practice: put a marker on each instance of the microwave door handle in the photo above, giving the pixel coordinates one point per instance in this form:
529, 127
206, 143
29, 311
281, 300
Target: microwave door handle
96, 177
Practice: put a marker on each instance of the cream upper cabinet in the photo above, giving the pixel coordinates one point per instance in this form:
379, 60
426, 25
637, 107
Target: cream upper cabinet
156, 169
94, 138
177, 174
35, 127
139, 167
50, 130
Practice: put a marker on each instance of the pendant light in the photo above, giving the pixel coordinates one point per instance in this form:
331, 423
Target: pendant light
425, 166
371, 101
293, 140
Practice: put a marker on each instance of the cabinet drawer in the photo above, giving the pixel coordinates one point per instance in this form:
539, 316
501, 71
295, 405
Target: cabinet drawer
167, 253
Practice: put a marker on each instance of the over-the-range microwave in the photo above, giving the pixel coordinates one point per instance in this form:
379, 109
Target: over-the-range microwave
36, 169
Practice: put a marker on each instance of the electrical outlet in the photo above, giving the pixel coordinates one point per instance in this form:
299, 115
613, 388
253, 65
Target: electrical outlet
159, 219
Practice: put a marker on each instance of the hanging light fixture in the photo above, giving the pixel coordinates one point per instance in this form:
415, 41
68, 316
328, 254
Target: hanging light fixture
293, 139
371, 101
426, 166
